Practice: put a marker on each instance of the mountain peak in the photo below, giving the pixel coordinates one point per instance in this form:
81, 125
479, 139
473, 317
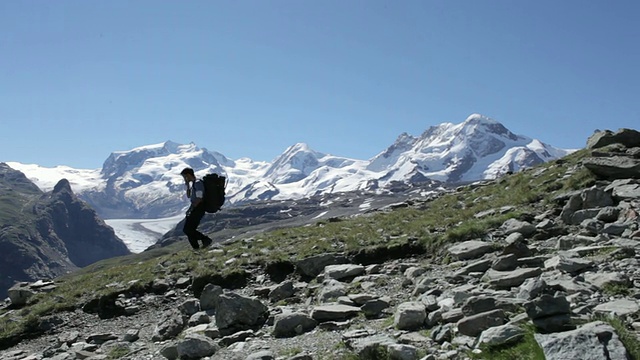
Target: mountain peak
476, 118
483, 125
62, 185
299, 147
170, 146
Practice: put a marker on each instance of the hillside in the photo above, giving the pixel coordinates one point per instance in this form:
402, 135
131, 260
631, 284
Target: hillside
526, 266
44, 235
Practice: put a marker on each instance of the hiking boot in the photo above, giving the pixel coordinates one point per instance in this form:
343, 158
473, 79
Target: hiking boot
206, 243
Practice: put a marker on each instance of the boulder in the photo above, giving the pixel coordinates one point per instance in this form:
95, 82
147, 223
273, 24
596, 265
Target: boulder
292, 324
410, 315
470, 249
627, 137
235, 312
594, 341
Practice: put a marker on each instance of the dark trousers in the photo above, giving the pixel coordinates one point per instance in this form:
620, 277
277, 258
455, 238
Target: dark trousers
191, 228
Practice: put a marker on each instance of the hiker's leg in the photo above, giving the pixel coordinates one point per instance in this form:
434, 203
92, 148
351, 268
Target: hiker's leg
197, 215
190, 229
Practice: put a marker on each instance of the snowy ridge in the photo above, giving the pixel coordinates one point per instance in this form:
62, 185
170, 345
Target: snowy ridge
144, 182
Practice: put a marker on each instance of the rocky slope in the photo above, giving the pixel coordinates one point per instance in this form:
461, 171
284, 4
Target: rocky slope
545, 273
44, 235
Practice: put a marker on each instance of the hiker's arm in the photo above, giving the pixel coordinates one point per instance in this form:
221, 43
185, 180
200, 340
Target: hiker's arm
198, 187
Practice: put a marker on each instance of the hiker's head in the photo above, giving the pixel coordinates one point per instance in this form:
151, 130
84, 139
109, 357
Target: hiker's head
188, 174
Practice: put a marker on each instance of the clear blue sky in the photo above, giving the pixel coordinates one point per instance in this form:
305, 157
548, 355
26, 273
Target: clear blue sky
80, 79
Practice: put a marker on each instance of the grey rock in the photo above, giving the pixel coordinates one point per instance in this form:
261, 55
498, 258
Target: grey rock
508, 279
374, 308
236, 337
288, 325
402, 352
20, 293
361, 299
343, 271
199, 318
282, 291
545, 224
568, 265
334, 312
478, 304
261, 355
595, 198
531, 288
410, 315
196, 346
435, 317
547, 305
430, 302
615, 229
470, 249
569, 242
581, 216
69, 337
627, 137
368, 347
314, 265
625, 189
189, 307
549, 314
474, 325
169, 327
517, 246
620, 307
414, 272
608, 214
505, 263
516, 226
209, 296
501, 335
592, 226
478, 266
236, 312
532, 261
603, 279
451, 316
594, 341
331, 289
423, 286
442, 333
616, 167
132, 335
101, 338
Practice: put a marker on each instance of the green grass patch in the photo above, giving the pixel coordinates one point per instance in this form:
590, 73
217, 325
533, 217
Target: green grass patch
118, 352
616, 289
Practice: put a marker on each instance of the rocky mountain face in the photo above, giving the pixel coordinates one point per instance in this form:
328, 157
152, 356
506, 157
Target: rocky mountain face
567, 270
44, 235
145, 182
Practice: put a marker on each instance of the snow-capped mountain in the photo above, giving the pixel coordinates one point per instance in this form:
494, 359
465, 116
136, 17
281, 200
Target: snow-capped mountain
145, 183
478, 148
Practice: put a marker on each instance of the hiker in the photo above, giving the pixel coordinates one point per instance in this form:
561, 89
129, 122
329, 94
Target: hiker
195, 192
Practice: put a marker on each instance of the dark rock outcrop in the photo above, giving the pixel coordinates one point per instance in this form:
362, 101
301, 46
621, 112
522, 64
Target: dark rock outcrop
43, 236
